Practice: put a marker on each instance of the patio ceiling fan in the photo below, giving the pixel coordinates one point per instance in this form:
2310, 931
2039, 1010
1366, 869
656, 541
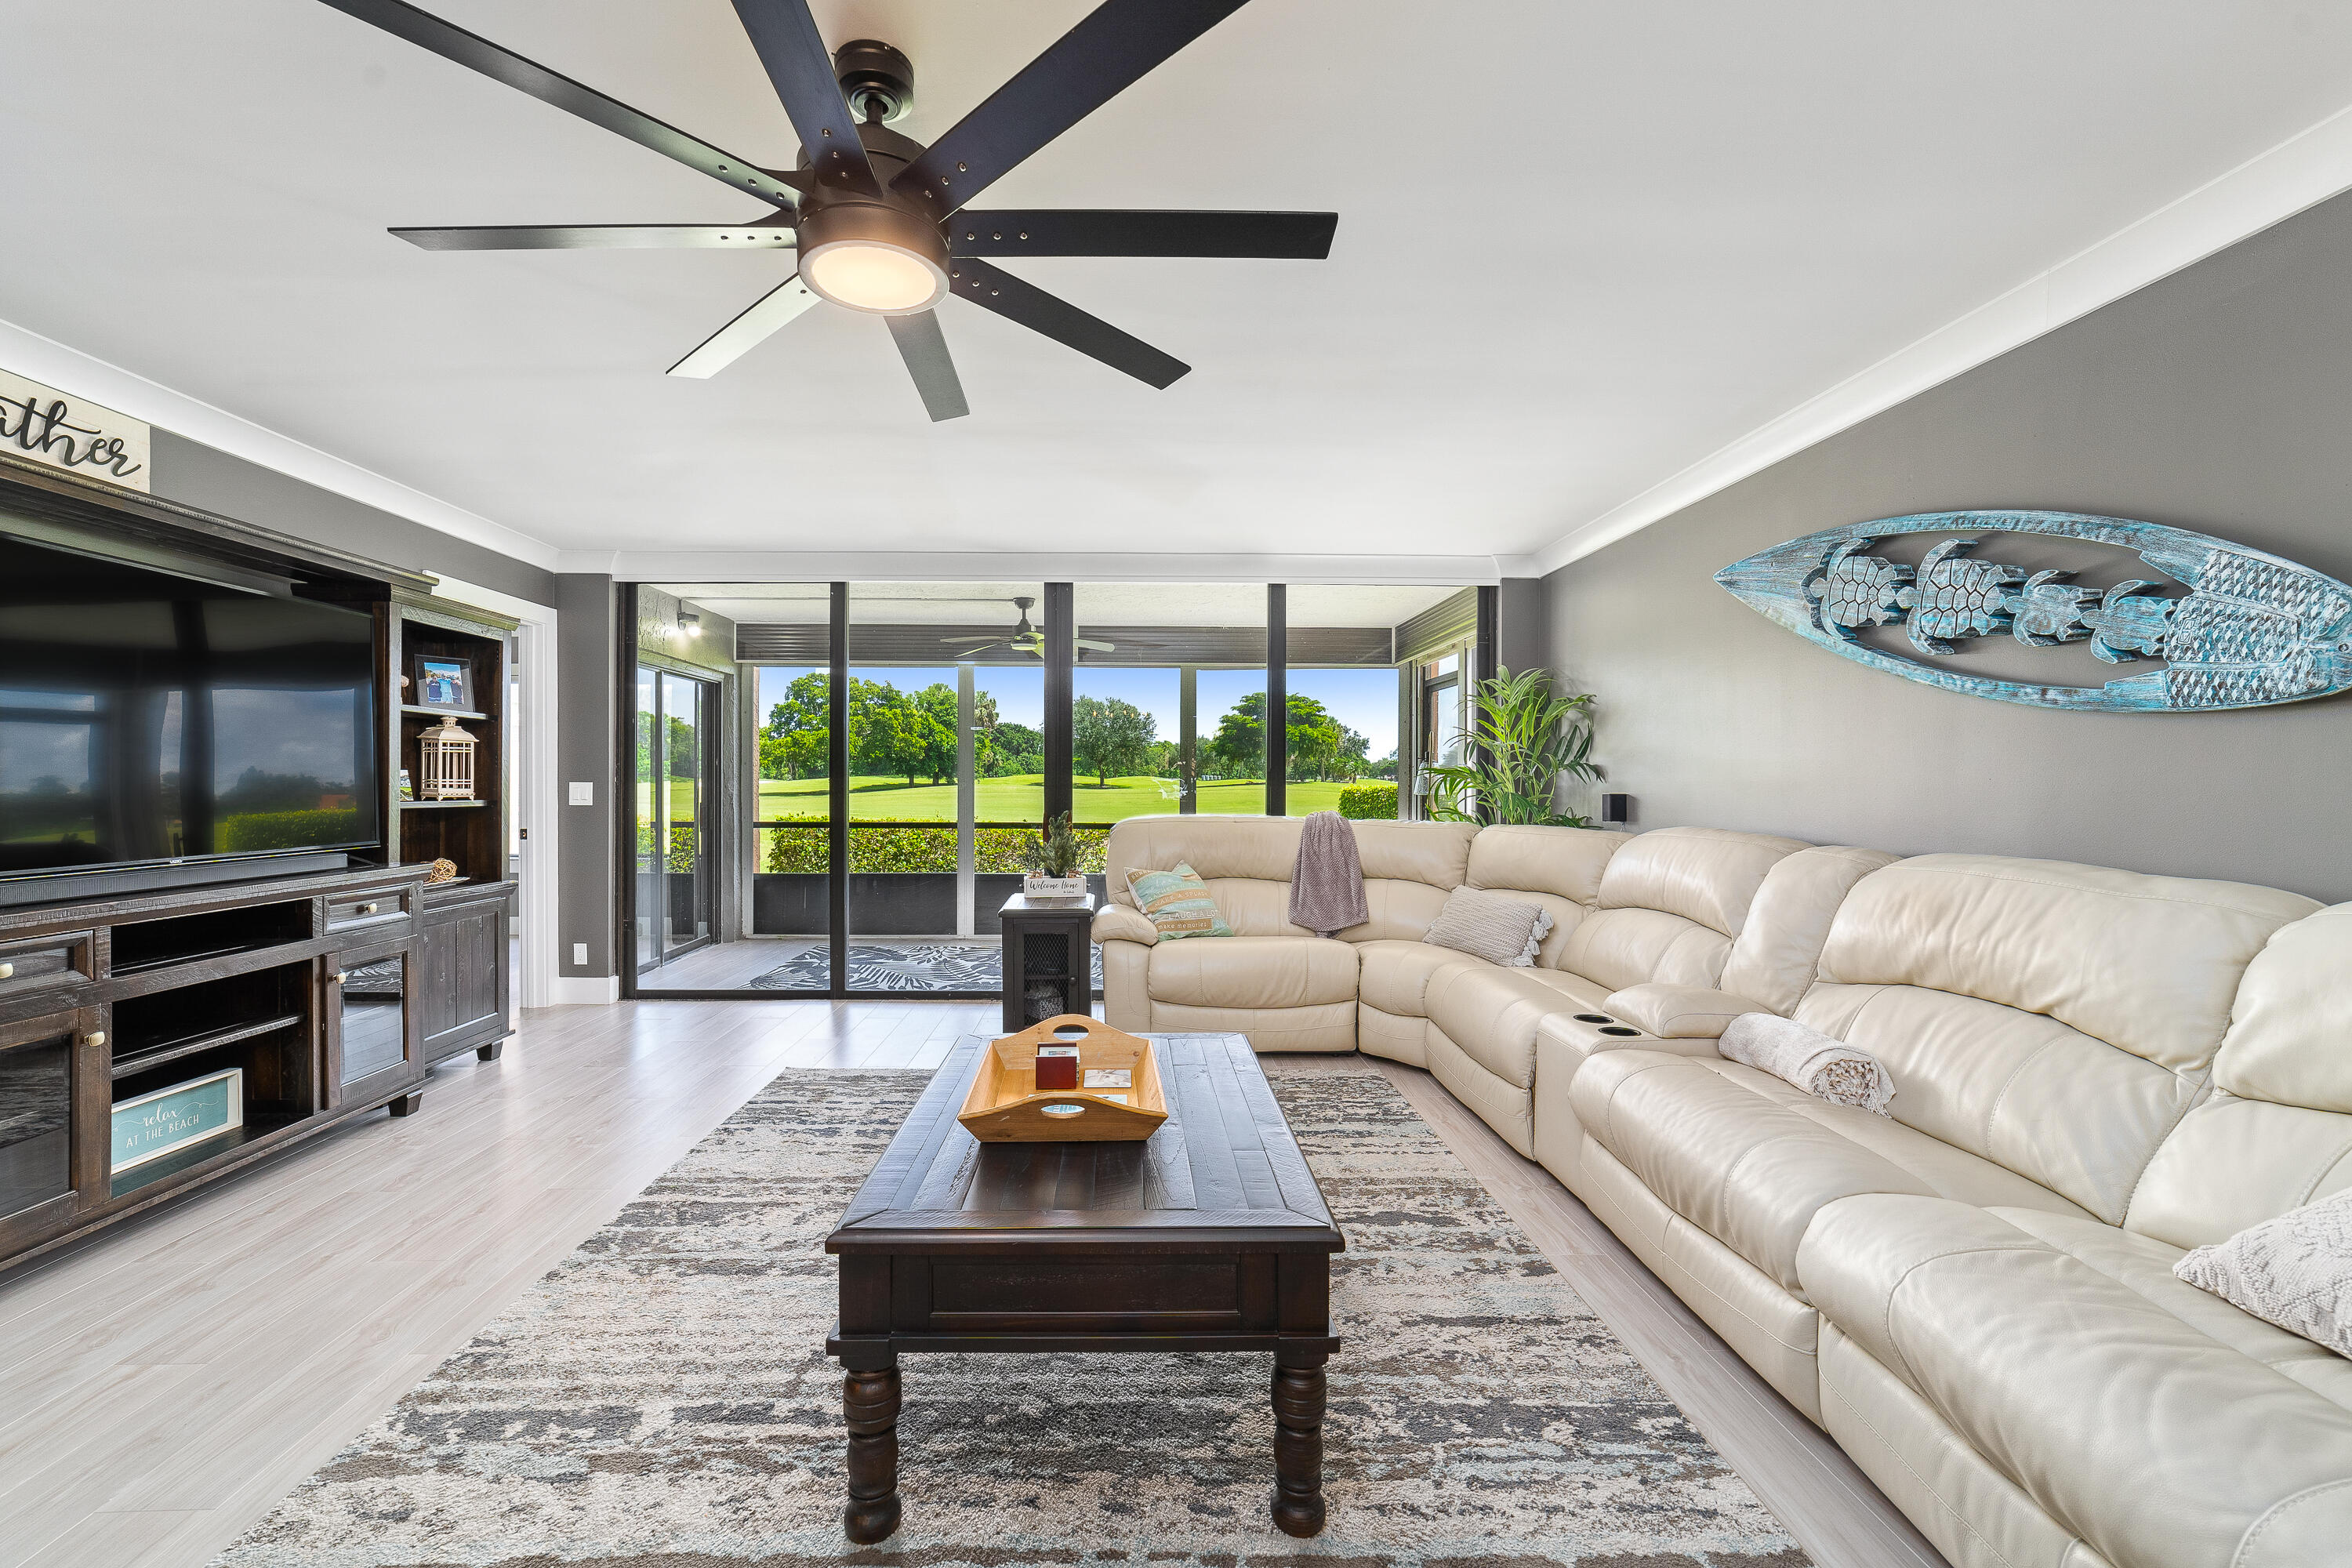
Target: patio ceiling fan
1024, 638
883, 223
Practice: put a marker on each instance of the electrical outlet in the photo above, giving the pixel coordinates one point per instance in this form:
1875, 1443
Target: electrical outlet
580, 954
582, 794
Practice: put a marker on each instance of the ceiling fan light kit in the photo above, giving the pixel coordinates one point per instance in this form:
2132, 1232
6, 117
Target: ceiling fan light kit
871, 260
883, 223
1024, 638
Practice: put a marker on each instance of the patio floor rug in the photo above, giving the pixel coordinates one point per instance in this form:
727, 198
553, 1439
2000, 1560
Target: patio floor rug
940, 965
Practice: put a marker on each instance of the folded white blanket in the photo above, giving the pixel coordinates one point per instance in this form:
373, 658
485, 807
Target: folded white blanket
1823, 1068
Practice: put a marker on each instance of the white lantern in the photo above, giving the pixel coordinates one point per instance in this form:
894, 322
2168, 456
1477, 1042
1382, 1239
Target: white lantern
445, 769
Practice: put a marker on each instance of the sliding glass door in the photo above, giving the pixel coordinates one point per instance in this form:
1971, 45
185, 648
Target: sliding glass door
675, 718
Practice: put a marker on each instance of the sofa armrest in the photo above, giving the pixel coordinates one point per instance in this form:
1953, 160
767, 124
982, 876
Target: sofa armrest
1568, 1039
1679, 1012
1117, 922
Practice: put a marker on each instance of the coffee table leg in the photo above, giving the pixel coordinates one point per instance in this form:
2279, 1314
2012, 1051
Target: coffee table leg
1298, 1442
870, 1402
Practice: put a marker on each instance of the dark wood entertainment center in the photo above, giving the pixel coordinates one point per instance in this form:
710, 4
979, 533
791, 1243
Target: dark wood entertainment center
333, 991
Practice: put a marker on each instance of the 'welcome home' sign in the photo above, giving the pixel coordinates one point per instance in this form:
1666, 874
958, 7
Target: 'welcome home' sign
43, 424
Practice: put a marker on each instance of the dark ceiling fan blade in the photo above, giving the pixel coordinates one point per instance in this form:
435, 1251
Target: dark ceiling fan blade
925, 349
1304, 236
994, 288
785, 38
606, 236
475, 52
1118, 42
771, 313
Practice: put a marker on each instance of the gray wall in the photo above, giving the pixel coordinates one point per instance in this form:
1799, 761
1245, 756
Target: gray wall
585, 611
2215, 400
1522, 623
201, 475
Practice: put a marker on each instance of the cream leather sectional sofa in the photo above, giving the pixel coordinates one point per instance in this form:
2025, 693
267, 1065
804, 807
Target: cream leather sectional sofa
2094, 1070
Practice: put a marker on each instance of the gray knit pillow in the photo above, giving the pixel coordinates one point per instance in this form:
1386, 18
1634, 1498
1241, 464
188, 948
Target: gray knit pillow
2295, 1270
1489, 926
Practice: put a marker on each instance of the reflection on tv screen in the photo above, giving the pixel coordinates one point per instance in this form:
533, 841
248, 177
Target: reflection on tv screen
148, 717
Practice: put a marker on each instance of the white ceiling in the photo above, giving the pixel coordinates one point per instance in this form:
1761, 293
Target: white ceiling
1583, 243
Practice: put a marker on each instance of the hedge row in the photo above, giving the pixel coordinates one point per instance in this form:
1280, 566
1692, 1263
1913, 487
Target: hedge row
1369, 803
806, 850
681, 845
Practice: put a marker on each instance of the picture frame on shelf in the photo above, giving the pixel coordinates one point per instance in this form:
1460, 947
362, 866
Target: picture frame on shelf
445, 683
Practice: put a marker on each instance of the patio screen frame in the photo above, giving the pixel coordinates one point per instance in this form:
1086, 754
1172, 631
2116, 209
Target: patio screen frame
1059, 625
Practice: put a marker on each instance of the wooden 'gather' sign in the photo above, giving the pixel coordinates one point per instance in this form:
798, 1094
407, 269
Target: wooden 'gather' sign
45, 426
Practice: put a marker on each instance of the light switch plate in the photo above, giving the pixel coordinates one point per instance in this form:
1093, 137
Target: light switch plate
583, 794
580, 949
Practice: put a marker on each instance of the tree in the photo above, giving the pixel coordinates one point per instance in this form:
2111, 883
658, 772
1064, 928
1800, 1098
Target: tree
794, 743
1109, 735
1349, 762
940, 704
1313, 743
1239, 743
1311, 738
891, 732
1015, 748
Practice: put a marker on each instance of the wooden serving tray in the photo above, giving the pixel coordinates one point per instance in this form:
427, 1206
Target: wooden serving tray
1005, 1106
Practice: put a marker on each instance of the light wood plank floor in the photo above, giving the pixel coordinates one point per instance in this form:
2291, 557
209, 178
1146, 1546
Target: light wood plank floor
168, 1380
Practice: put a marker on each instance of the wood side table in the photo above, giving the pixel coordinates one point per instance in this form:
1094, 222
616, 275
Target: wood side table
1210, 1236
1048, 949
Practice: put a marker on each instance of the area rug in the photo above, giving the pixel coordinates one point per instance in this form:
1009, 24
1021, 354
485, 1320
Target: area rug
661, 1400
901, 966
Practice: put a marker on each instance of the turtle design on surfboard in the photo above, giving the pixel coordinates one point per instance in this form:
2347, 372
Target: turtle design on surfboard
2231, 626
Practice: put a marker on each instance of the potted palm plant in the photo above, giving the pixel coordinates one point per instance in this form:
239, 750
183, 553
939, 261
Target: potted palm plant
1526, 738
1052, 861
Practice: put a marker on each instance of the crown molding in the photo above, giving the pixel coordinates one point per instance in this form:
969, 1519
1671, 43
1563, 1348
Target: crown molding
2267, 189
921, 566
27, 352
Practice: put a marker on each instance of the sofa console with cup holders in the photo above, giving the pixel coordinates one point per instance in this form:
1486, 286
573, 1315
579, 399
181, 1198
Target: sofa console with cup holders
2094, 1070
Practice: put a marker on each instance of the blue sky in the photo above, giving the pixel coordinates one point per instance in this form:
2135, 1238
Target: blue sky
1364, 700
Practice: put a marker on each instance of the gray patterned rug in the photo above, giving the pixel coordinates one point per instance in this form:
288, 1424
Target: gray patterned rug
661, 1400
945, 965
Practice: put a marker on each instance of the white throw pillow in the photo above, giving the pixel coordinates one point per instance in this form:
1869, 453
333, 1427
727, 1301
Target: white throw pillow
1489, 926
2294, 1271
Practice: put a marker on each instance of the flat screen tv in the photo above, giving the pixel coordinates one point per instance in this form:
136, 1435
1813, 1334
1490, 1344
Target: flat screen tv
149, 719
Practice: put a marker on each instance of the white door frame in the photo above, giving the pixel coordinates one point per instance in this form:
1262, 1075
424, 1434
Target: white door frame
537, 811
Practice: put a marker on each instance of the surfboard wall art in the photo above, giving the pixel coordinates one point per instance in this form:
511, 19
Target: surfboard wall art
2232, 627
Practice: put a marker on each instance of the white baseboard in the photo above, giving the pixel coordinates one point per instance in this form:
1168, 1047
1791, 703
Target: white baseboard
583, 990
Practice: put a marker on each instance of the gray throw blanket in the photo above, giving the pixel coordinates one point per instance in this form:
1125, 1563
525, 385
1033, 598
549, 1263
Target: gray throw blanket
1326, 886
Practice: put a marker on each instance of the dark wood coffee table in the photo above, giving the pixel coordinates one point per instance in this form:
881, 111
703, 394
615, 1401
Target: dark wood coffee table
1210, 1237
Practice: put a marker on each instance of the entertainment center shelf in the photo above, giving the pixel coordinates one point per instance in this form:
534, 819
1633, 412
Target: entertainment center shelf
171, 1013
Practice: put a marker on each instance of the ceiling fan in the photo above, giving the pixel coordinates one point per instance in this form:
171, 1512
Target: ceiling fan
1025, 637
882, 222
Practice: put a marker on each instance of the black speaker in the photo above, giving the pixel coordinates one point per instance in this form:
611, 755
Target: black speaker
1616, 810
